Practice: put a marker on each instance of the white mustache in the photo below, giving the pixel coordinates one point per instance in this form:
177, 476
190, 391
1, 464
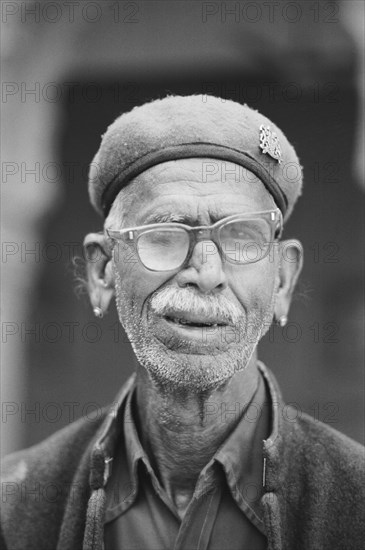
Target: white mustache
184, 300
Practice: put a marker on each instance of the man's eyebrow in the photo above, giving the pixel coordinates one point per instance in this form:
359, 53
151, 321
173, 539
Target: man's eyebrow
168, 217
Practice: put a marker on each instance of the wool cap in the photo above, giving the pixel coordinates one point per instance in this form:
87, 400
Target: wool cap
204, 126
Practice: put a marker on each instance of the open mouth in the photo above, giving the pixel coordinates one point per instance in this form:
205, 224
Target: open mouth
193, 324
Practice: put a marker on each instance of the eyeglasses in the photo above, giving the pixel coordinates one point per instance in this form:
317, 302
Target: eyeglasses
240, 239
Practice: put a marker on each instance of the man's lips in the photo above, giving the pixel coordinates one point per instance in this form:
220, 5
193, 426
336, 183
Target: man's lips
187, 332
193, 320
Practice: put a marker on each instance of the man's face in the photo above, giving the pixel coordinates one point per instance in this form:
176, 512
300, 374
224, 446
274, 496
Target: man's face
156, 308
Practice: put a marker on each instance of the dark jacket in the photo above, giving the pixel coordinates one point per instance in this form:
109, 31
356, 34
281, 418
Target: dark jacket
53, 495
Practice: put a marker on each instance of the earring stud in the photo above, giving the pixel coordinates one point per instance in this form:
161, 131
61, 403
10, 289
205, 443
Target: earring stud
98, 312
282, 321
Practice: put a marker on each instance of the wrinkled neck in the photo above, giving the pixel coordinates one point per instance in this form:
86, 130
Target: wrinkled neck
182, 431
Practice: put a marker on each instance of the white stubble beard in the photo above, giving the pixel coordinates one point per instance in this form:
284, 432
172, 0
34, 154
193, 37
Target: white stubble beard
178, 372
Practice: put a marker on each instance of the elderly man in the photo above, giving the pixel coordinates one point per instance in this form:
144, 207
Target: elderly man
198, 452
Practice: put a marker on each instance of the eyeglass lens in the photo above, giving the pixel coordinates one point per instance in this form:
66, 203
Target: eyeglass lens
163, 249
244, 242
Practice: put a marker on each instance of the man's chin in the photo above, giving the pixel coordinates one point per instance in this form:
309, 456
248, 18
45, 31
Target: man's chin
192, 381
180, 372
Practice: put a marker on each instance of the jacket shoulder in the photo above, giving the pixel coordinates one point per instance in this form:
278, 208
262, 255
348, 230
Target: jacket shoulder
38, 481
56, 452
339, 450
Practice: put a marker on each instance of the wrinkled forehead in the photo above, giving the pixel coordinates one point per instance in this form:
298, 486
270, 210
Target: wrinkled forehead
200, 185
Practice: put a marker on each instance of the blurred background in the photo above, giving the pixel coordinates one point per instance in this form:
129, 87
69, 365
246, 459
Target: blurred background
69, 68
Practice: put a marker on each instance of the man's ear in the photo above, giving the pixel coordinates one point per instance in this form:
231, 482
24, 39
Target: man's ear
100, 278
291, 262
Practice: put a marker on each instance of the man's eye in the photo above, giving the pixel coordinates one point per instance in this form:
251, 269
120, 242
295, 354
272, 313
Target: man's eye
244, 231
162, 241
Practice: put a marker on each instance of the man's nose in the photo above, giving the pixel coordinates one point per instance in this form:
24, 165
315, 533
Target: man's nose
205, 268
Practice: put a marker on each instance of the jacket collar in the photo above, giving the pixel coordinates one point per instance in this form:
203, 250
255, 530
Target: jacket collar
93, 471
273, 445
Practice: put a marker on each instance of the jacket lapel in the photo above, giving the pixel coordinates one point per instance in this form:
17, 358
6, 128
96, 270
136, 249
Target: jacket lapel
90, 469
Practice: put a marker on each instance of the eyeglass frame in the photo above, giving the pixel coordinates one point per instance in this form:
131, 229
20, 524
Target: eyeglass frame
210, 232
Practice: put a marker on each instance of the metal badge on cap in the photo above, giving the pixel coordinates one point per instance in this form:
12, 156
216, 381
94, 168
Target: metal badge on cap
269, 143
